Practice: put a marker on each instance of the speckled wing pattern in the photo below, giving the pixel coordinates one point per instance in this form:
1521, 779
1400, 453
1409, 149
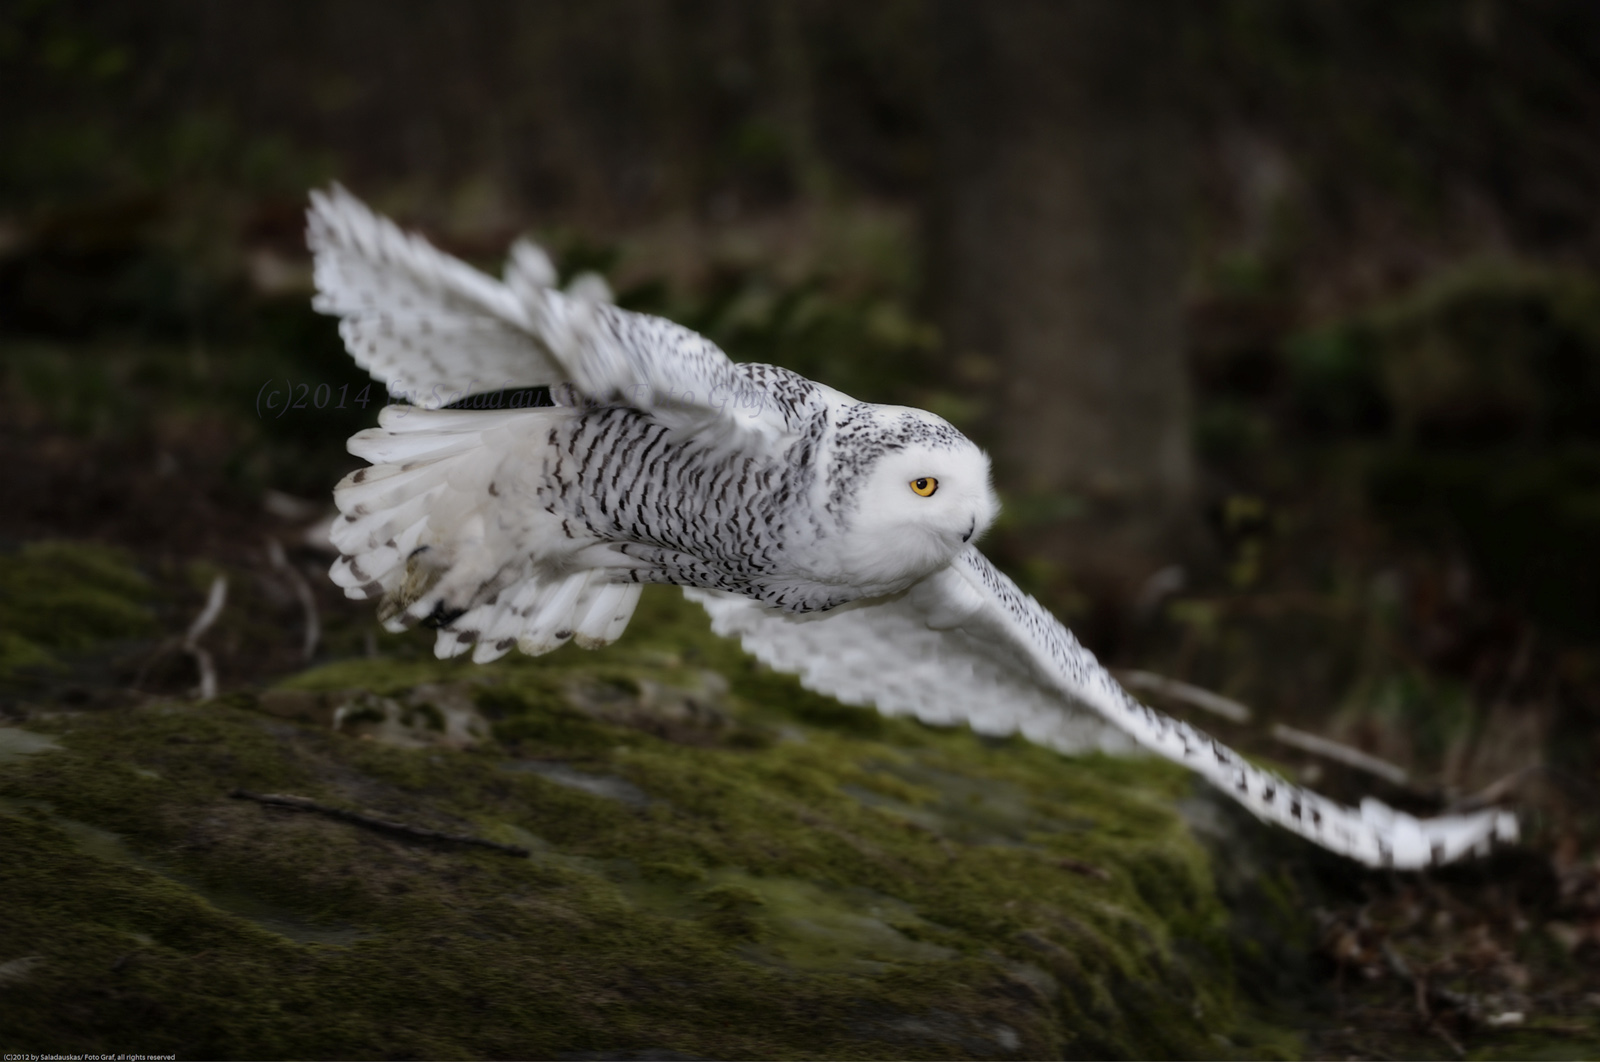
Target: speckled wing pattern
427, 325
966, 645
434, 330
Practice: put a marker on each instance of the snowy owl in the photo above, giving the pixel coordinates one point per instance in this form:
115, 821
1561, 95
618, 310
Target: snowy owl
834, 538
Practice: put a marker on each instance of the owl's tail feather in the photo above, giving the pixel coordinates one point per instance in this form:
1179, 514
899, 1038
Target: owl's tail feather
427, 530
607, 614
537, 616
429, 469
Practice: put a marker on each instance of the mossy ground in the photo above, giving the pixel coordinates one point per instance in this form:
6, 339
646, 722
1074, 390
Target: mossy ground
723, 866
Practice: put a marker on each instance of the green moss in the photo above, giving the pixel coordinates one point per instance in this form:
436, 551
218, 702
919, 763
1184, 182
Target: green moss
382, 676
59, 596
836, 890
731, 912
18, 655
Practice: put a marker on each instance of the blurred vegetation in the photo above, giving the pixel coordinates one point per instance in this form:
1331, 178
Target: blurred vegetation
53, 597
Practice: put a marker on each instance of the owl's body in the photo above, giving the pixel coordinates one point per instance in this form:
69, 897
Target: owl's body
493, 516
833, 537
778, 526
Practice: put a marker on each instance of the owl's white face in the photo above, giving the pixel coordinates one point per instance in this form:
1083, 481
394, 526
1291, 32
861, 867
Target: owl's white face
918, 504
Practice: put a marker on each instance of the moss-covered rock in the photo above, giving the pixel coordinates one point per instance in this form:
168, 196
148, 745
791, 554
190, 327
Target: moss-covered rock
722, 865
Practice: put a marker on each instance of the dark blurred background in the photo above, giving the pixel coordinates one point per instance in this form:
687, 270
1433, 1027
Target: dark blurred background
1281, 320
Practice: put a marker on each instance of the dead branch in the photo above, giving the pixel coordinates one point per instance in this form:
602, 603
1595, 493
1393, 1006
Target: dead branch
1341, 753
1496, 791
215, 599
1205, 700
1428, 994
302, 590
207, 690
1579, 787
1232, 710
280, 800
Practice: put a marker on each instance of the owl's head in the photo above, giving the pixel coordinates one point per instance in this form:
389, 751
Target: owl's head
912, 489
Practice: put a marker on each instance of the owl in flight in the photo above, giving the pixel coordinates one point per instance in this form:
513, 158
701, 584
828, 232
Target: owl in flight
834, 538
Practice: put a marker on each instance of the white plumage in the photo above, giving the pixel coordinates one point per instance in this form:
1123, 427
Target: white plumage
832, 537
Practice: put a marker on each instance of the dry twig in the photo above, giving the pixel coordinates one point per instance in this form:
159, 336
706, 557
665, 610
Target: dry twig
1232, 710
207, 690
1428, 994
279, 800
1341, 753
302, 590
1205, 700
1496, 791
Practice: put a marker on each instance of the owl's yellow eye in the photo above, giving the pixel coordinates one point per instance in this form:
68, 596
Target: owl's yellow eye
925, 486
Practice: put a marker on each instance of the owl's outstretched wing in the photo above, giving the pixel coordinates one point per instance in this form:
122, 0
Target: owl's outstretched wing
427, 325
966, 645
435, 331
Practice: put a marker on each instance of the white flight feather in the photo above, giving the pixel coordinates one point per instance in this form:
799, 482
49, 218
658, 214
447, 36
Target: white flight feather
427, 325
1006, 665
436, 330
